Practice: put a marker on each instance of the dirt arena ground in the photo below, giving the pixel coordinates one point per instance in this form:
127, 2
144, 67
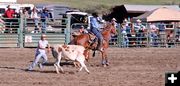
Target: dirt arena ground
128, 67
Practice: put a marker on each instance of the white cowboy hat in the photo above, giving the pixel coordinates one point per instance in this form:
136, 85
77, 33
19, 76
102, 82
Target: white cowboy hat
113, 19
138, 20
125, 20
82, 26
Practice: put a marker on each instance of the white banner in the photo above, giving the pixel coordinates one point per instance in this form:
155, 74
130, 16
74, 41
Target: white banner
28, 39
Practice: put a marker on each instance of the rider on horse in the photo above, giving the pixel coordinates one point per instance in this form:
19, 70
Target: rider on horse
95, 30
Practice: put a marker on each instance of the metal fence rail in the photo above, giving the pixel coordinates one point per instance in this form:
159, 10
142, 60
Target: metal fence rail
20, 32
9, 40
31, 40
9, 33
145, 39
55, 32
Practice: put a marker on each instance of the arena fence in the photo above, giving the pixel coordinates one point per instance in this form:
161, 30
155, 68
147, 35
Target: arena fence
10, 33
168, 37
56, 32
21, 32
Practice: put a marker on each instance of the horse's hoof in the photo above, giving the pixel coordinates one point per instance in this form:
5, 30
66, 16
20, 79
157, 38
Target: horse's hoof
107, 64
62, 72
104, 65
57, 72
77, 71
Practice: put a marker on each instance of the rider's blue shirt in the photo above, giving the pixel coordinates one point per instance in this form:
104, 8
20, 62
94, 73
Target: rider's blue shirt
94, 23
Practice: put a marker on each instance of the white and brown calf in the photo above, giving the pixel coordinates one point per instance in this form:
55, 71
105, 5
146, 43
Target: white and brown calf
72, 52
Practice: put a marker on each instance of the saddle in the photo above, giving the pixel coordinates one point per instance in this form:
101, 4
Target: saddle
93, 42
91, 36
92, 39
74, 34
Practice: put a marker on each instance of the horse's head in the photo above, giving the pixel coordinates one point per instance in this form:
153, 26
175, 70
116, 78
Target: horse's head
110, 28
113, 30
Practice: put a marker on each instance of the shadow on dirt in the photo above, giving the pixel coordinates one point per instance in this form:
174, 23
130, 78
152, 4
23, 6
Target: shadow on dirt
7, 68
62, 63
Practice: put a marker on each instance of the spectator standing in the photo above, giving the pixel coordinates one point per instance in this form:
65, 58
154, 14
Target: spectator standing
35, 17
139, 28
25, 13
170, 39
44, 16
153, 34
125, 40
162, 32
9, 15
113, 22
114, 38
128, 27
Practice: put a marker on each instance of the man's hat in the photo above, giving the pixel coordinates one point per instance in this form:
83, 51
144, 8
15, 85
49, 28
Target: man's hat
45, 9
95, 14
113, 19
82, 26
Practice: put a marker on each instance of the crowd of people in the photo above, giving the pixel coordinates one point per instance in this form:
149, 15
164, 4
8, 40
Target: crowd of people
9, 19
138, 34
132, 33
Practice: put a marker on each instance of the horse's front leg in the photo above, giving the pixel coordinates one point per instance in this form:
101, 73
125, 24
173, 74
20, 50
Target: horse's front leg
104, 58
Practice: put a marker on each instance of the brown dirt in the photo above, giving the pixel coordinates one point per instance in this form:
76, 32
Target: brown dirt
128, 67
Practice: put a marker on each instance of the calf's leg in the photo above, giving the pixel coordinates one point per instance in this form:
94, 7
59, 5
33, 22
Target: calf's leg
57, 64
81, 60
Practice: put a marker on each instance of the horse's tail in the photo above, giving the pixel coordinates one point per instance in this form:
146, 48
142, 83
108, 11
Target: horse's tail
94, 53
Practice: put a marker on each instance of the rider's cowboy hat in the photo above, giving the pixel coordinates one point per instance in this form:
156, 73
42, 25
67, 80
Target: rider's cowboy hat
95, 14
113, 19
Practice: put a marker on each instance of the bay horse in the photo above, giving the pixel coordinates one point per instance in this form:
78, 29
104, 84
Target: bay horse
84, 40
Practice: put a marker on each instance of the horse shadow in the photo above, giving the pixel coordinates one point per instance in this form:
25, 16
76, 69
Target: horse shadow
40, 71
62, 63
7, 67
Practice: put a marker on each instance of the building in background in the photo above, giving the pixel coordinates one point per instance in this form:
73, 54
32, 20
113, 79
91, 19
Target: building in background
129, 11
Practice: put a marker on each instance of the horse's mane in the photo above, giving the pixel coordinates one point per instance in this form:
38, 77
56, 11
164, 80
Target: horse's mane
107, 26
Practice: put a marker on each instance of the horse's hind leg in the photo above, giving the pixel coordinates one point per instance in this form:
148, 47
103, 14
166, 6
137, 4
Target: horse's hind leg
104, 59
103, 62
